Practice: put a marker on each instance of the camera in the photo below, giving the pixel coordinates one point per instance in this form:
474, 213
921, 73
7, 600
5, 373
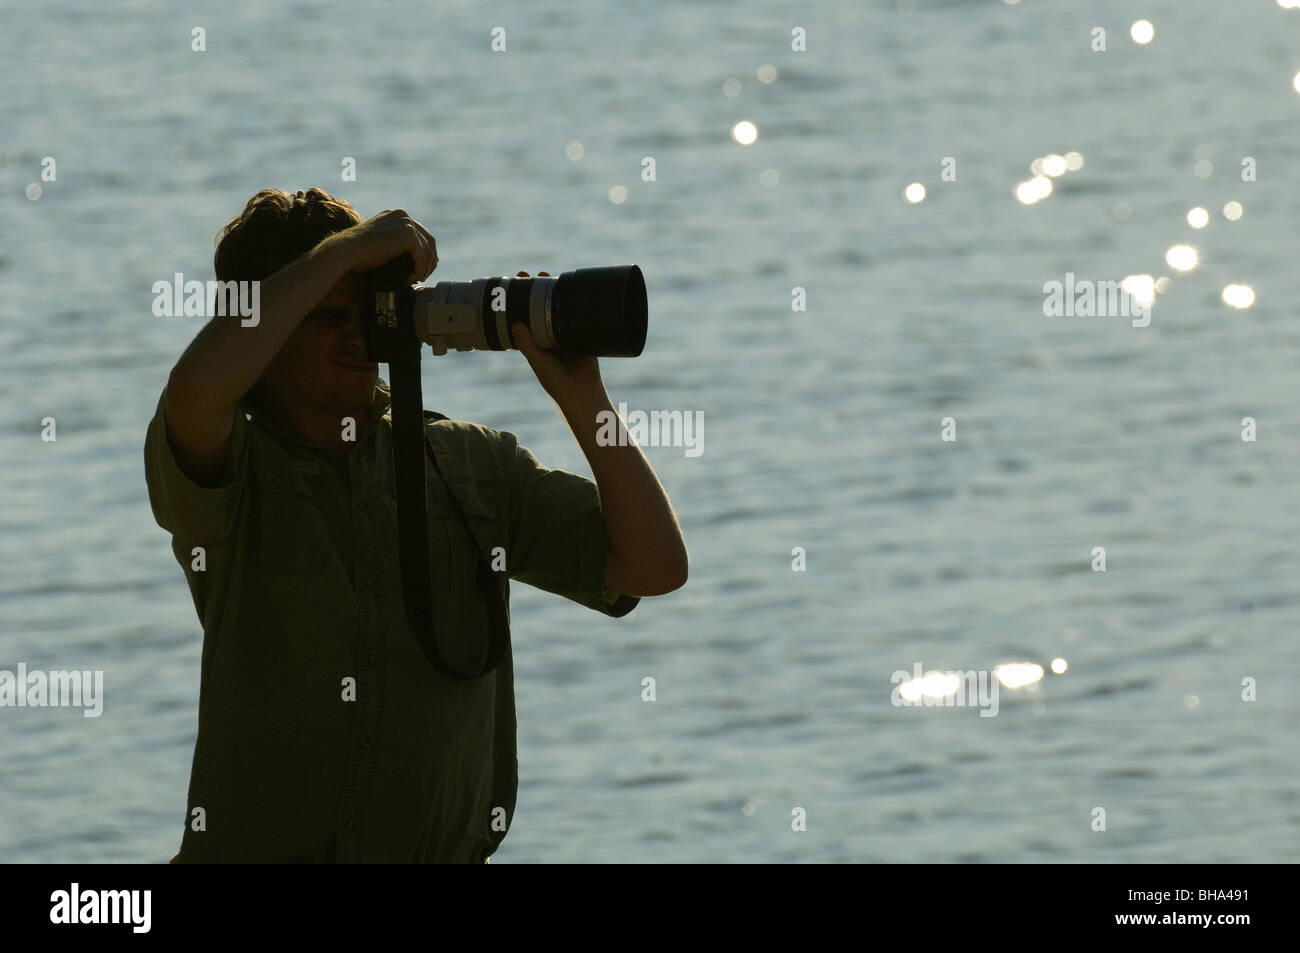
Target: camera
600, 312
596, 312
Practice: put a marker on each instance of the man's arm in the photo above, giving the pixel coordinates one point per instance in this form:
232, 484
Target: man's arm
226, 358
647, 555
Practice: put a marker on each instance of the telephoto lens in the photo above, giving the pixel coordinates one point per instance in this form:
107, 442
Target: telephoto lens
595, 312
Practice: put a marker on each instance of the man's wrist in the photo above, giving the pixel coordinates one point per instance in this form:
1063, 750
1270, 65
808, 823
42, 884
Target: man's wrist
581, 413
581, 408
335, 255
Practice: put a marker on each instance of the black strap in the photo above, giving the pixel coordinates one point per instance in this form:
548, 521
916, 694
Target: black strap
391, 339
412, 517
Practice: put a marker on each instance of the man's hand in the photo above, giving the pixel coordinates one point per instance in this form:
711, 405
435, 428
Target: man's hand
566, 379
379, 240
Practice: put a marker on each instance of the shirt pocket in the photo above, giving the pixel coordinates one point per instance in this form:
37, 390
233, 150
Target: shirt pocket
294, 538
465, 614
463, 547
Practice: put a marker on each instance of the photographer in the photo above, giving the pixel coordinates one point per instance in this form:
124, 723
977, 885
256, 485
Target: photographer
324, 733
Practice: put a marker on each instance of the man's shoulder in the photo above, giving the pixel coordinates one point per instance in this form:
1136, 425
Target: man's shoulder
437, 424
484, 449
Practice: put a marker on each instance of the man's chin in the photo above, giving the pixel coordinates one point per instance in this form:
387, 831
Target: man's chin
363, 396
355, 398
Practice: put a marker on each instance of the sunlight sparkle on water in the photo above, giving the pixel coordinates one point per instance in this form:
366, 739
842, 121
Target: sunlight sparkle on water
1039, 187
1181, 257
934, 684
1239, 296
1044, 169
1018, 674
1142, 288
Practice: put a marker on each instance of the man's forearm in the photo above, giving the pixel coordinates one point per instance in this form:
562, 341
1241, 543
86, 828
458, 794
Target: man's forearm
647, 552
226, 358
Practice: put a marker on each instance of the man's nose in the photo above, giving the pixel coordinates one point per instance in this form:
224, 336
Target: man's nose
353, 334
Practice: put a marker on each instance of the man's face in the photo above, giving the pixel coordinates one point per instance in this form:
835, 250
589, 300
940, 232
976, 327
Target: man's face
322, 369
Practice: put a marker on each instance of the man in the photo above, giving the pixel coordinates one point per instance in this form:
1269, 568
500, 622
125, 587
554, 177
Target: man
324, 733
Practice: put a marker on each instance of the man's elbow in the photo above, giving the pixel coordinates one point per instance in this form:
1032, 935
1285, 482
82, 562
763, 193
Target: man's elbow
680, 571
674, 570
668, 582
646, 580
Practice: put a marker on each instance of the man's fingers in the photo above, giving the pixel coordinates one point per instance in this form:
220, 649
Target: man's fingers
433, 245
525, 343
421, 253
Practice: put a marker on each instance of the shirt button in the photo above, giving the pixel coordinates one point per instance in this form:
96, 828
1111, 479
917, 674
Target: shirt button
347, 823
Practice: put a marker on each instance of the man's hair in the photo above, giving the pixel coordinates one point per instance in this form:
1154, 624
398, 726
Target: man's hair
275, 228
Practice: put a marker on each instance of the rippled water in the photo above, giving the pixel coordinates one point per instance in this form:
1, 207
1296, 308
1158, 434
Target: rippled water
822, 427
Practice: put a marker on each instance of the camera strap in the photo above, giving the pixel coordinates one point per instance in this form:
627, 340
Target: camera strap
391, 339
413, 532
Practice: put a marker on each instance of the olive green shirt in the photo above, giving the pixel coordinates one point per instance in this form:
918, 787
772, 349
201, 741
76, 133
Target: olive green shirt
324, 734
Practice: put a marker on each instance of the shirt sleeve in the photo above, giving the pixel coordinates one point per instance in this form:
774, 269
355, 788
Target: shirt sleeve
185, 509
557, 537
